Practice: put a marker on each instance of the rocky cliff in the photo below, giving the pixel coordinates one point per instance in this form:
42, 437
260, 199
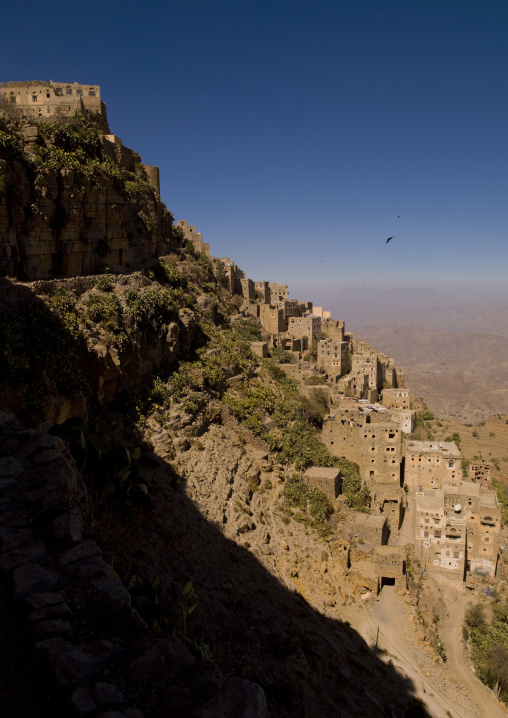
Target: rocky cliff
70, 207
172, 488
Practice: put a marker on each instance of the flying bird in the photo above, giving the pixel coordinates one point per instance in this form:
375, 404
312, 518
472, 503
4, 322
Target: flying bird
389, 239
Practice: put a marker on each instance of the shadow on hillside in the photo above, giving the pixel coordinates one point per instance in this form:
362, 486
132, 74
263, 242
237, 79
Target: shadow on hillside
308, 665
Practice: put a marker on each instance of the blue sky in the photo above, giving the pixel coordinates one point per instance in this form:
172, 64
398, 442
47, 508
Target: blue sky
298, 136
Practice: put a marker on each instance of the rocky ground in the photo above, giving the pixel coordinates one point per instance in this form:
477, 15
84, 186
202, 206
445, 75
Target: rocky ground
269, 630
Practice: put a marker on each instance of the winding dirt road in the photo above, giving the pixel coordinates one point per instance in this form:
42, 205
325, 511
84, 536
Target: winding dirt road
450, 690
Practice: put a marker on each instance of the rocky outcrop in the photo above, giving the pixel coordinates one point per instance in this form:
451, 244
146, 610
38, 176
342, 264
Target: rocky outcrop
95, 646
106, 366
60, 218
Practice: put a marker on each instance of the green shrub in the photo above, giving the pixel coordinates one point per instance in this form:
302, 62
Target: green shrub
247, 330
455, 437
314, 379
103, 283
310, 501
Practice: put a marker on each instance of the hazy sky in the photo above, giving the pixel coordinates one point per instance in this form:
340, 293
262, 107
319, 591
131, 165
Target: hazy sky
298, 136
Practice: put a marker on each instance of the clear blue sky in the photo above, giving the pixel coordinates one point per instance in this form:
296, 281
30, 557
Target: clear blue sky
293, 134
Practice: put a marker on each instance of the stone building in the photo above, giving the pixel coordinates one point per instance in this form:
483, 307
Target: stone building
272, 319
232, 276
387, 373
333, 358
480, 471
278, 292
376, 448
289, 308
327, 480
390, 501
245, 288
41, 100
484, 528
262, 290
260, 348
309, 327
431, 464
323, 314
400, 374
366, 364
197, 240
355, 385
457, 531
304, 308
396, 398
390, 565
333, 329
371, 530
406, 419
127, 159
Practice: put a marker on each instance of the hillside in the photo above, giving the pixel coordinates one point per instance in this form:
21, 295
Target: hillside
162, 553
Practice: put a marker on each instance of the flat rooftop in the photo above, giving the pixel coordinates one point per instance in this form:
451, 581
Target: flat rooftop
447, 448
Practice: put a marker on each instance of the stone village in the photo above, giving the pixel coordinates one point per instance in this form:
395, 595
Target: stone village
419, 493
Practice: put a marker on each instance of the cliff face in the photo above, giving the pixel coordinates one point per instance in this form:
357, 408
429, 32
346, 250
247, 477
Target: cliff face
66, 207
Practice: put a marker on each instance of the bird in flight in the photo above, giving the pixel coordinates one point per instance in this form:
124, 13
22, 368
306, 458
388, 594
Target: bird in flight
389, 239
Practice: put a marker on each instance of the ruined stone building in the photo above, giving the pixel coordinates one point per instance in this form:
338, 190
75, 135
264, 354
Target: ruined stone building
387, 373
232, 277
480, 472
355, 385
400, 375
431, 464
41, 100
333, 329
262, 290
195, 237
370, 530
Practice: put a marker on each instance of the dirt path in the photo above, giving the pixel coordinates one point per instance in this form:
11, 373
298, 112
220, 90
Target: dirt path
450, 630
443, 689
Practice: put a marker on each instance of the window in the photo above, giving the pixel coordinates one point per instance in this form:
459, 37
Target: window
79, 91
58, 91
426, 535
34, 97
437, 534
91, 93
68, 90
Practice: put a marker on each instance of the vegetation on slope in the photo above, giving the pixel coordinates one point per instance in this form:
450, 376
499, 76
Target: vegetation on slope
489, 645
